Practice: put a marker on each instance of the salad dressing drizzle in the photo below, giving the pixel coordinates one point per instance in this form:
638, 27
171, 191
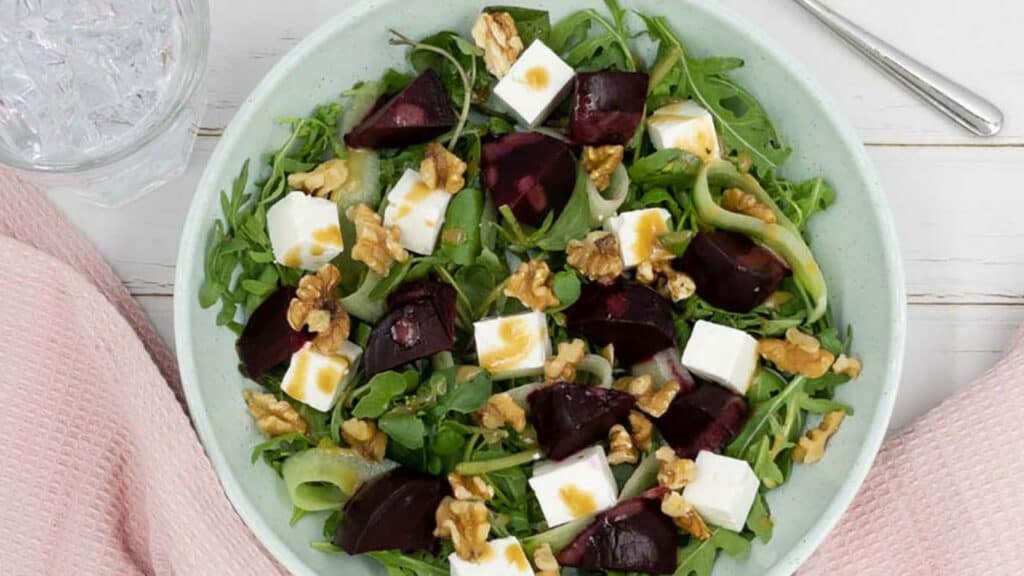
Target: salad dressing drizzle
650, 227
516, 340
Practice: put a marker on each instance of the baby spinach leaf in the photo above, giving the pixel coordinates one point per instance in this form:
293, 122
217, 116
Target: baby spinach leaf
531, 24
406, 429
698, 557
574, 222
383, 388
567, 287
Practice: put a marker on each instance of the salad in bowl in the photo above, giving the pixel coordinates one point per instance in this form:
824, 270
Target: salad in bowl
533, 304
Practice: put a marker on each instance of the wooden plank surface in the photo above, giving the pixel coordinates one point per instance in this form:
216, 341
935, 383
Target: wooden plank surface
956, 199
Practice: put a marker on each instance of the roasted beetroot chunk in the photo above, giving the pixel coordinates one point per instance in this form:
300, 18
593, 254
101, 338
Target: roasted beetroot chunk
420, 322
627, 314
417, 114
392, 512
571, 417
705, 419
532, 173
607, 106
267, 339
731, 271
634, 536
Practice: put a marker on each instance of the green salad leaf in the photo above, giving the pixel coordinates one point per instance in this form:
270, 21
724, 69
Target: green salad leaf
531, 24
698, 557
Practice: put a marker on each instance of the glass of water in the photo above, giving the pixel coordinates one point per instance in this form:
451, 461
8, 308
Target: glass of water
101, 97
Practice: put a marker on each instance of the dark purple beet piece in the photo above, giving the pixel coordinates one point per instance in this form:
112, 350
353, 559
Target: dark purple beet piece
731, 271
571, 417
420, 322
267, 339
417, 114
634, 536
608, 106
392, 512
627, 314
532, 173
705, 419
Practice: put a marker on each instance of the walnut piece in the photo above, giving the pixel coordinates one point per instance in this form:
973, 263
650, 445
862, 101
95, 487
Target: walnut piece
657, 271
273, 417
496, 33
736, 200
531, 285
684, 515
811, 446
846, 365
376, 246
643, 430
472, 488
597, 256
656, 402
500, 410
545, 561
562, 367
364, 437
600, 162
674, 472
442, 169
621, 447
316, 306
324, 179
799, 353
466, 523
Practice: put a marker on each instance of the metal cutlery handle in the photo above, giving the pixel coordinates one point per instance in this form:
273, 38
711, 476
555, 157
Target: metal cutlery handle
955, 100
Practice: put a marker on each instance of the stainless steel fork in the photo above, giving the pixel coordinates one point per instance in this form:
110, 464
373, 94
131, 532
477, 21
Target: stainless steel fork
955, 100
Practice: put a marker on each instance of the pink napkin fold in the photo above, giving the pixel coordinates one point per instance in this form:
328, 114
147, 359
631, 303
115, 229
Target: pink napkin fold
101, 473
100, 470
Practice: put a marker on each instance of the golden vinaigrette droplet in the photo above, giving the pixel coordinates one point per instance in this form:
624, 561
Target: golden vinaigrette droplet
331, 235
295, 389
649, 228
293, 257
516, 557
419, 193
579, 502
537, 78
515, 344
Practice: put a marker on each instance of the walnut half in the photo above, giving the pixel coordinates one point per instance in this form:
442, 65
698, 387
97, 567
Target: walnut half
531, 285
273, 417
736, 200
376, 246
470, 487
597, 256
600, 162
466, 523
684, 515
364, 437
500, 410
621, 447
811, 447
545, 561
442, 169
799, 353
562, 367
674, 472
322, 180
496, 33
316, 305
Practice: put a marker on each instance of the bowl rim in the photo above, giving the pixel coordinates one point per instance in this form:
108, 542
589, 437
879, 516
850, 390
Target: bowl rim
185, 285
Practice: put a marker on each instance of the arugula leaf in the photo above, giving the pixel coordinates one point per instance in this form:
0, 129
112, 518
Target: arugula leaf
406, 429
400, 563
383, 388
607, 49
698, 557
759, 521
531, 24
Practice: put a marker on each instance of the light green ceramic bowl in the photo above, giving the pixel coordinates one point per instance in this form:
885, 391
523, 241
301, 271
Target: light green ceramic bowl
854, 242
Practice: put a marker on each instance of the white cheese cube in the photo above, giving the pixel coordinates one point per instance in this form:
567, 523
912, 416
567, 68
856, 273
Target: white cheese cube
686, 126
535, 84
513, 346
317, 379
504, 557
721, 354
723, 490
418, 211
576, 487
304, 231
638, 232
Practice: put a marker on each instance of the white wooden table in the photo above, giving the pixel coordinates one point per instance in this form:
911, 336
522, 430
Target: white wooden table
958, 201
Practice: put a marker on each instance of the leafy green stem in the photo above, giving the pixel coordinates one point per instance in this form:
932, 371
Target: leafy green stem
496, 464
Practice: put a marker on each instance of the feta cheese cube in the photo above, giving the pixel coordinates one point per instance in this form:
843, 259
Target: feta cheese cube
576, 487
505, 557
638, 232
317, 379
513, 346
723, 490
418, 211
535, 84
686, 126
304, 231
723, 355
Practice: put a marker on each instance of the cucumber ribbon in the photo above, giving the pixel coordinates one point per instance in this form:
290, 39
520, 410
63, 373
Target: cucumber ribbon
783, 237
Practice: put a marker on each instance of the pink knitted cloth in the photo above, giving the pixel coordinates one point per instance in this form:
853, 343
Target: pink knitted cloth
100, 472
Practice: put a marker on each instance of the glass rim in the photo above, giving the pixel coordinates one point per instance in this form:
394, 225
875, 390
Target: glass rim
192, 79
